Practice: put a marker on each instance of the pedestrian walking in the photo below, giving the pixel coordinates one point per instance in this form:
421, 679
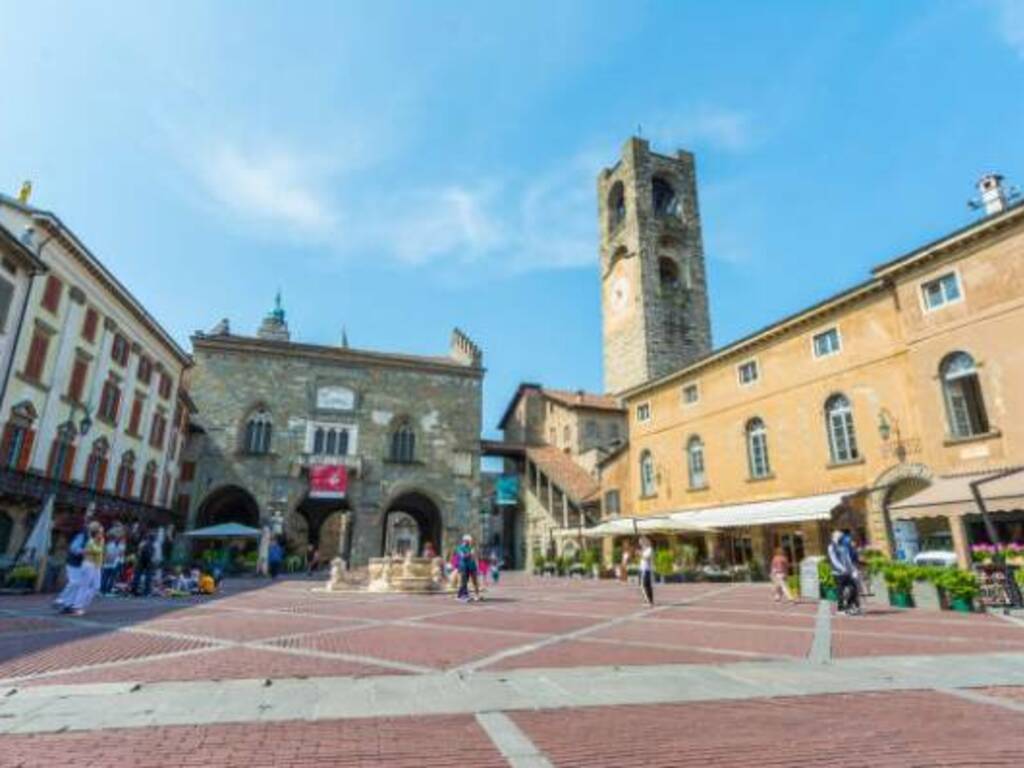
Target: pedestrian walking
495, 566
113, 559
779, 573
89, 578
312, 559
467, 569
646, 571
275, 557
143, 575
72, 569
842, 570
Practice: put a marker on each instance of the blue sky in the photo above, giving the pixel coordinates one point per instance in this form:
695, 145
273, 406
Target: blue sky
402, 168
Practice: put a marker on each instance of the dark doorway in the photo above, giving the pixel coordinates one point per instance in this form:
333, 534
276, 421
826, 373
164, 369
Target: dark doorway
230, 504
411, 521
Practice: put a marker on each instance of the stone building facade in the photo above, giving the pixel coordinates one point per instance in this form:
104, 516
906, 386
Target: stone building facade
406, 428
653, 286
554, 440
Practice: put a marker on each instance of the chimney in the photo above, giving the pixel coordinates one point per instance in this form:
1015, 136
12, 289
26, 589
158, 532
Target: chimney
579, 395
993, 194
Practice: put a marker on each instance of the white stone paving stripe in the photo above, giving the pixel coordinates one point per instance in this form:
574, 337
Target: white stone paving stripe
514, 745
821, 647
980, 698
96, 707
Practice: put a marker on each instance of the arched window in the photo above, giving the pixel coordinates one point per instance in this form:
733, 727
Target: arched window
148, 492
695, 462
62, 453
96, 467
318, 441
566, 436
616, 206
343, 442
403, 443
647, 479
757, 448
257, 433
842, 439
19, 436
125, 483
332, 442
668, 273
961, 388
663, 197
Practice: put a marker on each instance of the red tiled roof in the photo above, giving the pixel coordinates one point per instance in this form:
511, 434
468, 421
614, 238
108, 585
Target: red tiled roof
575, 481
581, 399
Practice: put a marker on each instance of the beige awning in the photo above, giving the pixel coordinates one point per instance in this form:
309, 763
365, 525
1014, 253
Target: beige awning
774, 512
632, 526
951, 495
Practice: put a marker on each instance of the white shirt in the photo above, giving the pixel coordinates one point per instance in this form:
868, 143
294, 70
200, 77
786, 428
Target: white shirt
114, 553
645, 558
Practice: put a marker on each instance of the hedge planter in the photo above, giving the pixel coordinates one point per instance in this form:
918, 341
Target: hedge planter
901, 599
962, 604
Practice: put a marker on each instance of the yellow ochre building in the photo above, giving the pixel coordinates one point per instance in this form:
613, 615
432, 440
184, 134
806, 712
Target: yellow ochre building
874, 409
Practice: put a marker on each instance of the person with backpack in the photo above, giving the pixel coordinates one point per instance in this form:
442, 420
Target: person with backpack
73, 569
841, 562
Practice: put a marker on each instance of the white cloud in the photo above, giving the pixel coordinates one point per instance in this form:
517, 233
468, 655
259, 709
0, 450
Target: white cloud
450, 223
1010, 23
714, 127
272, 187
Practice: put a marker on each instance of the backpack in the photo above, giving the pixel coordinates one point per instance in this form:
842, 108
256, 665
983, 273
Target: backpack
76, 550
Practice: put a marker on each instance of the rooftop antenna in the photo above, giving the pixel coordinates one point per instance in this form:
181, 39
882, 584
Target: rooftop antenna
344, 337
639, 131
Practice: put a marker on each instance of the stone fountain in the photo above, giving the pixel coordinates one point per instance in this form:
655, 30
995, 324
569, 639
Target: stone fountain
409, 575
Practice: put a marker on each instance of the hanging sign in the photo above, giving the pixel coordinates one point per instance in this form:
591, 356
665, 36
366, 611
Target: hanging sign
328, 481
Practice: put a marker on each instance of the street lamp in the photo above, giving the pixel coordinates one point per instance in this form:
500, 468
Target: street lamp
86, 423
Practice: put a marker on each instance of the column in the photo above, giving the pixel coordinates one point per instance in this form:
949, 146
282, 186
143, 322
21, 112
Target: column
960, 544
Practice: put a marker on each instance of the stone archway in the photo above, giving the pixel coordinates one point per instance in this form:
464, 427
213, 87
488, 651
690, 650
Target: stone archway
228, 504
411, 507
895, 484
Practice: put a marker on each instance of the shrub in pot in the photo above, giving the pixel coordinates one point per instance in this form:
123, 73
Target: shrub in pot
826, 581
21, 577
899, 578
664, 562
927, 590
961, 586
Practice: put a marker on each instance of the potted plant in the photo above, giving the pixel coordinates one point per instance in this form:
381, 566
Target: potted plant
538, 563
21, 577
589, 561
899, 578
664, 563
826, 581
961, 586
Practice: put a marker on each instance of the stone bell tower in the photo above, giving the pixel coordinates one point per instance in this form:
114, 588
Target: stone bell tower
654, 301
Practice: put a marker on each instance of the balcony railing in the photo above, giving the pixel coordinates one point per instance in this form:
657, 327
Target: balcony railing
34, 487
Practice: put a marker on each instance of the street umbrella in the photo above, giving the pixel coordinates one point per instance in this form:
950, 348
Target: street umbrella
37, 545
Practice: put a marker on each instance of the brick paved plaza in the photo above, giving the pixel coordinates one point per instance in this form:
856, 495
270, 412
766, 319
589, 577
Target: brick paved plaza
544, 672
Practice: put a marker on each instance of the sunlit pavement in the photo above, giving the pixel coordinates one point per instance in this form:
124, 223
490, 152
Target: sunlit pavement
542, 672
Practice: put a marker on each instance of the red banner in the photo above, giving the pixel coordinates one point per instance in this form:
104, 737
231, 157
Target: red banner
328, 481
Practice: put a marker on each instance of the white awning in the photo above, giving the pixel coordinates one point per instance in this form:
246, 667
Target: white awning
776, 511
632, 526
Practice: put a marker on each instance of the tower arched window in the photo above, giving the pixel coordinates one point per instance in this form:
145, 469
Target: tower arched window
668, 273
695, 462
616, 206
663, 198
757, 448
318, 441
257, 433
403, 443
648, 484
961, 389
842, 438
